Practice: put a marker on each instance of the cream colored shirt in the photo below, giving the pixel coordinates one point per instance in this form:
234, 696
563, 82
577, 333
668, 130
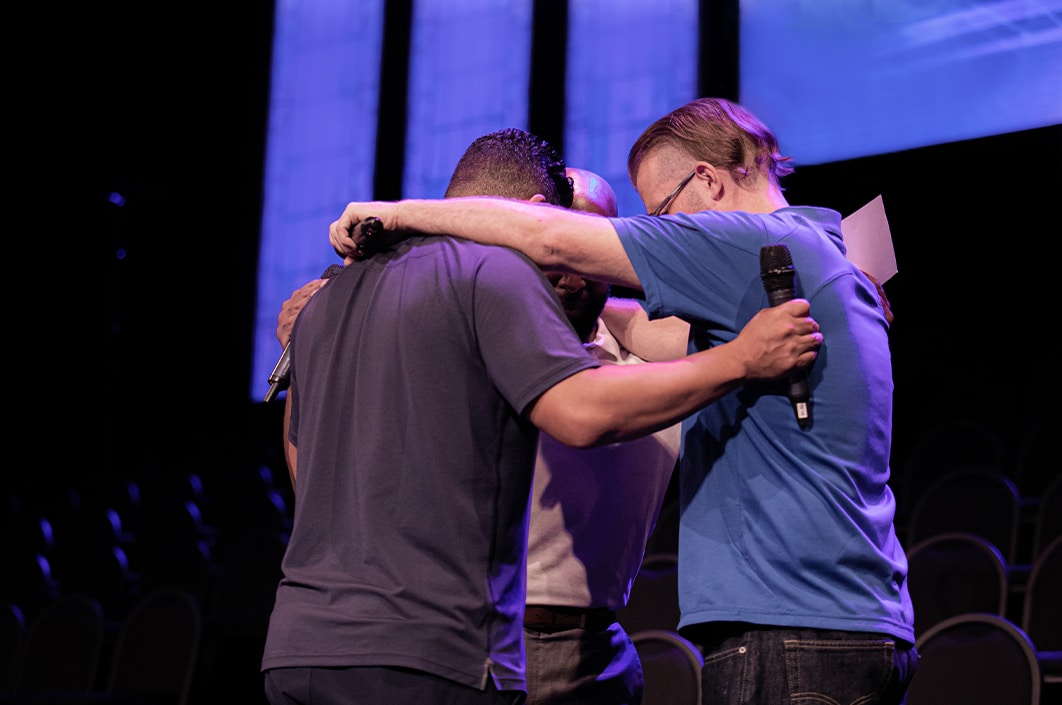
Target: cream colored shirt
592, 510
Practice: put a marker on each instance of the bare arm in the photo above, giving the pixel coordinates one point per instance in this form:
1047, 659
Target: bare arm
289, 311
885, 305
620, 402
652, 340
553, 237
291, 307
290, 452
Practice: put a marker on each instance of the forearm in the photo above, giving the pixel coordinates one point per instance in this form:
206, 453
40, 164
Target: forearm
653, 340
290, 453
620, 402
553, 237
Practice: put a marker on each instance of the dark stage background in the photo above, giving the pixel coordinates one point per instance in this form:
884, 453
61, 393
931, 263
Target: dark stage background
136, 321
169, 110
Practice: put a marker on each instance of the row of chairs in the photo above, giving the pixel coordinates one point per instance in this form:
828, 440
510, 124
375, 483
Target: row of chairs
235, 606
950, 575
963, 537
988, 504
968, 658
59, 656
959, 572
976, 658
955, 443
112, 556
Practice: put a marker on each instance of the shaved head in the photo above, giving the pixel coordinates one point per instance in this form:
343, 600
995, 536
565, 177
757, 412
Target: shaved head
592, 193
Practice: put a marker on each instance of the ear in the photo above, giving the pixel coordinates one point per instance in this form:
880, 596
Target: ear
714, 183
537, 198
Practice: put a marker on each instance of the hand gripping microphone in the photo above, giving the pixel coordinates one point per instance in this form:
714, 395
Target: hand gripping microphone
776, 270
280, 378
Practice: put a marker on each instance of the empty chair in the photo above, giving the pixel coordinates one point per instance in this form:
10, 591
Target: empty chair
954, 573
28, 582
244, 589
653, 602
977, 501
182, 562
166, 519
12, 641
102, 573
237, 612
1036, 461
156, 649
1042, 611
63, 648
975, 659
1048, 525
672, 667
942, 448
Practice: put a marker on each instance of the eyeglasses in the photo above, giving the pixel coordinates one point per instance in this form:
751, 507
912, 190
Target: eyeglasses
662, 208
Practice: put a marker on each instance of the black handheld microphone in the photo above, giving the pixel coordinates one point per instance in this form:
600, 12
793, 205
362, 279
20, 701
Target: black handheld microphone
280, 377
776, 270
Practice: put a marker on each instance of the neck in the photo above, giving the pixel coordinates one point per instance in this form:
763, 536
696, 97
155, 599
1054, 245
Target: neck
765, 201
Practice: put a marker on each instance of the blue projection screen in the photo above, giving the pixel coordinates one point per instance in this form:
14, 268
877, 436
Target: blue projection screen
835, 80
839, 79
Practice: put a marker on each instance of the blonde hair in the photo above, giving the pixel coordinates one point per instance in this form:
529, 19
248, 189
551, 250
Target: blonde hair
719, 132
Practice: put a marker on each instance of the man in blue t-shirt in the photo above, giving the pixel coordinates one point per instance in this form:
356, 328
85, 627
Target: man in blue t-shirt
791, 576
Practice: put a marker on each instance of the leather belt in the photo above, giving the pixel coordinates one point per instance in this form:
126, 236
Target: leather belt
556, 618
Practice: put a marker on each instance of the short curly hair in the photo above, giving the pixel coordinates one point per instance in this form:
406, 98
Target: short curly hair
512, 163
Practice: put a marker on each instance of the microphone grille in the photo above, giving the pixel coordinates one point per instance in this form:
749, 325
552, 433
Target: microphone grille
775, 259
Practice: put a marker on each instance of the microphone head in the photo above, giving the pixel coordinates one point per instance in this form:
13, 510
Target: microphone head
776, 267
332, 270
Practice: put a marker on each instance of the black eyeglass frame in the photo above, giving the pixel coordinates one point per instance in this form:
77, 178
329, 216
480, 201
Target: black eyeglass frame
670, 198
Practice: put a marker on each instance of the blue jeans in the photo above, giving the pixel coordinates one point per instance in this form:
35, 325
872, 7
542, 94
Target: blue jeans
748, 664
575, 666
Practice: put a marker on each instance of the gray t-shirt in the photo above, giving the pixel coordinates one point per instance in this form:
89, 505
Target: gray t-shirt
411, 372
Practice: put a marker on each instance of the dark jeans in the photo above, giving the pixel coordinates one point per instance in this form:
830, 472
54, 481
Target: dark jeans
748, 664
374, 685
577, 665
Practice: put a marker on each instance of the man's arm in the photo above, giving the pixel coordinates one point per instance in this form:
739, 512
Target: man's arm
619, 402
885, 305
651, 340
290, 452
289, 311
553, 237
291, 307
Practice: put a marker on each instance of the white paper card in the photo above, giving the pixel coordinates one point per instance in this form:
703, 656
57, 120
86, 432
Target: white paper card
869, 241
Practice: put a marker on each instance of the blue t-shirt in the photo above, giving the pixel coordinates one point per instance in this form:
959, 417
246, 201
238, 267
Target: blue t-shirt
411, 373
781, 525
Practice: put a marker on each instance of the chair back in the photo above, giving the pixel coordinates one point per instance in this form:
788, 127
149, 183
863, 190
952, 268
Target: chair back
672, 666
12, 641
238, 609
63, 647
157, 647
1042, 610
653, 602
1048, 523
1036, 462
975, 658
942, 448
975, 500
954, 573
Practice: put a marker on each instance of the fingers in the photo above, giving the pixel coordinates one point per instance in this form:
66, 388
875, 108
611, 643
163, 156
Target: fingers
796, 307
290, 309
350, 234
